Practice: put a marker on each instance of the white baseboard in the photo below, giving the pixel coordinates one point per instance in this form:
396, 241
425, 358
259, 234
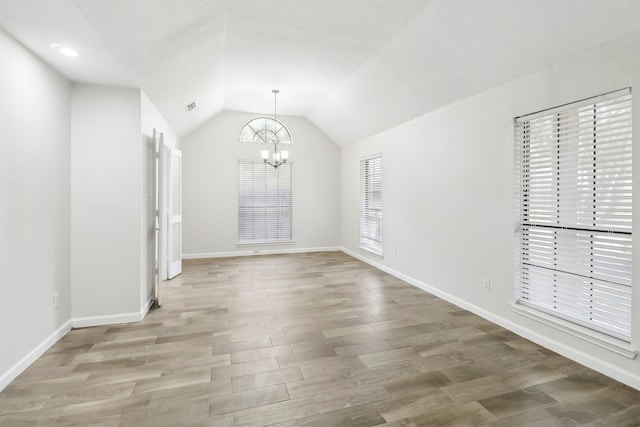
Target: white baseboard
79, 322
624, 376
259, 251
112, 319
146, 307
609, 369
26, 361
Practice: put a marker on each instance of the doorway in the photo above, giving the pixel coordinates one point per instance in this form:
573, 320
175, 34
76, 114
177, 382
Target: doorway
168, 213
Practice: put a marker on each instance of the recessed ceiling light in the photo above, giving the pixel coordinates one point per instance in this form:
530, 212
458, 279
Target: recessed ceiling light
64, 50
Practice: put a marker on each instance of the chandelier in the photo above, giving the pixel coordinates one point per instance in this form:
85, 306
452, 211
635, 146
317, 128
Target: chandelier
276, 158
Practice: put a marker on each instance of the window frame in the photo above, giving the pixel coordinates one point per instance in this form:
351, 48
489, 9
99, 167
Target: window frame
560, 130
371, 228
249, 202
265, 130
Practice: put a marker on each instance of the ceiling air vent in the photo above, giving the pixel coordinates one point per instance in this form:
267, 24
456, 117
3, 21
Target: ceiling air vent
191, 106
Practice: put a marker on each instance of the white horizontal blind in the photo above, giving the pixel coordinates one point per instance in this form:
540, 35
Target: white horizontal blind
574, 198
371, 204
264, 202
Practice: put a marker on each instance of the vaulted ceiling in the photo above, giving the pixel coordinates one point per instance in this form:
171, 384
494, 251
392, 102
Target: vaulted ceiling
353, 67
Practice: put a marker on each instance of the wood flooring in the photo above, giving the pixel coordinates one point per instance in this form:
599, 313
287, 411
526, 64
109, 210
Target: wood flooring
317, 339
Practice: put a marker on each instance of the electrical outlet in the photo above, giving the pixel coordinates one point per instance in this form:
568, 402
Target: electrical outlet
395, 254
486, 285
55, 300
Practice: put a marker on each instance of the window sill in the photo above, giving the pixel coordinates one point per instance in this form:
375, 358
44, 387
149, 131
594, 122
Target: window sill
371, 251
278, 243
609, 343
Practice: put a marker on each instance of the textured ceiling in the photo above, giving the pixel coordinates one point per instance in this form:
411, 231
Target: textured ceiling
352, 67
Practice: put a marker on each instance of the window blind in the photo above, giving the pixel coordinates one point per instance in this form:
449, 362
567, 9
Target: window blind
574, 199
371, 204
264, 203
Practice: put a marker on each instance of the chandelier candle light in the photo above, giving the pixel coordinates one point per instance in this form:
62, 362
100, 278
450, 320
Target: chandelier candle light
278, 157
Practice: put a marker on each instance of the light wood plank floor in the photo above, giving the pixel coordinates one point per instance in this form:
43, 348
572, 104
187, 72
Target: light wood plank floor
307, 340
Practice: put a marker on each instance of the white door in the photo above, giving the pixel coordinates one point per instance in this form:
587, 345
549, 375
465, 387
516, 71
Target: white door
163, 207
174, 208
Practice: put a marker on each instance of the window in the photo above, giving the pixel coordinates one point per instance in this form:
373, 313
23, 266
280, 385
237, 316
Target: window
371, 204
264, 203
573, 197
266, 130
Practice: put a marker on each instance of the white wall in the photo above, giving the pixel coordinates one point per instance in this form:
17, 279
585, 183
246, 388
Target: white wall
34, 206
449, 198
150, 119
210, 167
106, 207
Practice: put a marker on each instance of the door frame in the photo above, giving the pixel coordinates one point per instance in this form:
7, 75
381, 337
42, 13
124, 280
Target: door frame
164, 153
174, 214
